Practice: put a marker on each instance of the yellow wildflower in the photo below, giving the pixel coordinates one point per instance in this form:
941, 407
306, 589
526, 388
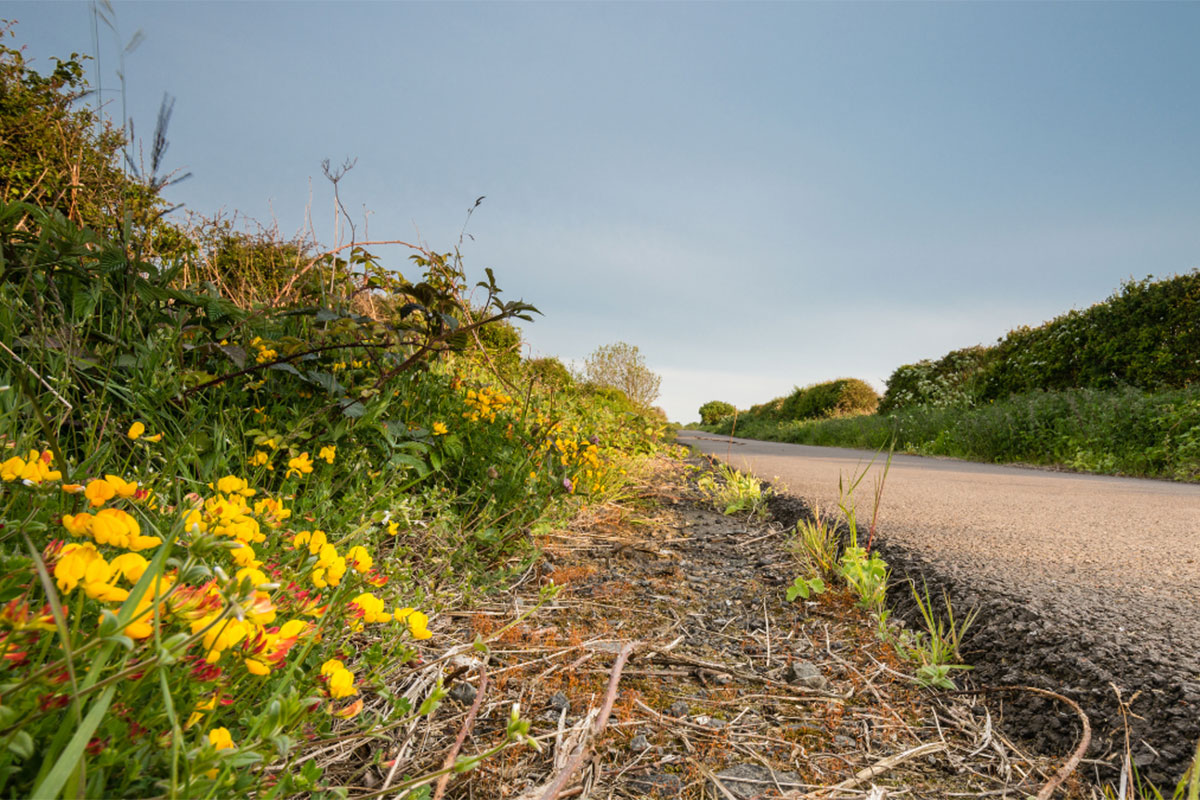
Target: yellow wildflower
11, 469
371, 608
77, 524
122, 487
256, 667
328, 453
360, 559
130, 565
300, 465
198, 713
136, 430
72, 565
231, 484
416, 621
440, 429
244, 556
341, 684
221, 739
98, 491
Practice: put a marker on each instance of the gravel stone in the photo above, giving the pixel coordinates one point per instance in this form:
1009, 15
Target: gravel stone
678, 709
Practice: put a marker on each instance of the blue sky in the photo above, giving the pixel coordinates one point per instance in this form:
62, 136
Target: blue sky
758, 196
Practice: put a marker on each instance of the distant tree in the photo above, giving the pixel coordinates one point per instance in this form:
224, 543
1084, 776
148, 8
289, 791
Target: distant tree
621, 366
714, 411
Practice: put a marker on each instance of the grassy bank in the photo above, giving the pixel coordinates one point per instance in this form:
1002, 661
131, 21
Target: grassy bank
1125, 431
241, 478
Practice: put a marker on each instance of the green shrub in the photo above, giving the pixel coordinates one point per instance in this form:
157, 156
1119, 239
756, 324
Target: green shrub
952, 380
607, 393
550, 372
714, 411
502, 342
1146, 335
838, 398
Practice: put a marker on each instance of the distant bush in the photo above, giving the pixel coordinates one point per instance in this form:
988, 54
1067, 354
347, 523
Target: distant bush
831, 399
551, 372
607, 393
950, 381
502, 342
714, 411
1115, 431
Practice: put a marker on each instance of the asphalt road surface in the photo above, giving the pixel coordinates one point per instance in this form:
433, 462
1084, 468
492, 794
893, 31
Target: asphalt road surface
1088, 579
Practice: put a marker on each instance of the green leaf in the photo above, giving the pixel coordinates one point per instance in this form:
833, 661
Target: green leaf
21, 745
286, 367
235, 354
326, 381
72, 754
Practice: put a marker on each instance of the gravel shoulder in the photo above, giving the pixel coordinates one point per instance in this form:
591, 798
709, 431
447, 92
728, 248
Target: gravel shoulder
676, 617
1088, 585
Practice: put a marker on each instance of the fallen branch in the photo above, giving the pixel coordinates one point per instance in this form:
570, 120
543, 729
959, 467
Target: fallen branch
581, 737
462, 733
1085, 740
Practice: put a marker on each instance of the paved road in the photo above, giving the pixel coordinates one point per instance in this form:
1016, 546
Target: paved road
1114, 562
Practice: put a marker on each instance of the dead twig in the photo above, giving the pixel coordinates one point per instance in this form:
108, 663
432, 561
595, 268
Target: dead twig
462, 732
876, 769
583, 733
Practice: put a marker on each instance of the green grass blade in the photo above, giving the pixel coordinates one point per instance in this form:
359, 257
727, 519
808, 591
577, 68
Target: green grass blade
72, 755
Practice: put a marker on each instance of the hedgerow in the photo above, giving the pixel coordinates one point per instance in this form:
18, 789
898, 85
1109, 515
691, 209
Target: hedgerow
1146, 335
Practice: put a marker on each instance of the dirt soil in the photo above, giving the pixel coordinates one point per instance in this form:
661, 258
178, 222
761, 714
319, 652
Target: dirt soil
674, 616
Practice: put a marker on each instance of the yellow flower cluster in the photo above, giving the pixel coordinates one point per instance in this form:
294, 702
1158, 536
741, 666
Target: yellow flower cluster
330, 567
265, 353
370, 609
82, 564
570, 454
485, 403
260, 648
110, 526
100, 490
300, 465
341, 680
30, 471
582, 452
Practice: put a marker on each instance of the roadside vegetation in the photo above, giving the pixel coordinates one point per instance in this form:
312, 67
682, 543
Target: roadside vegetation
243, 476
1114, 389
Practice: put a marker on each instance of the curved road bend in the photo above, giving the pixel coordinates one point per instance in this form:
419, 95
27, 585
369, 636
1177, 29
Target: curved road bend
1109, 567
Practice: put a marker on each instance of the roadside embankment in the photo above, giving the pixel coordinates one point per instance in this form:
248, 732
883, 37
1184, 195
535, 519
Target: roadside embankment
1087, 585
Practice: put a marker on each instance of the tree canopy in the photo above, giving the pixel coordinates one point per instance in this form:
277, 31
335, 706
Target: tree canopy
621, 366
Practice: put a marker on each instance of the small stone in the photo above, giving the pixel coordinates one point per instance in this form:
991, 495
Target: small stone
678, 709
559, 702
463, 693
805, 673
657, 784
745, 781
639, 743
